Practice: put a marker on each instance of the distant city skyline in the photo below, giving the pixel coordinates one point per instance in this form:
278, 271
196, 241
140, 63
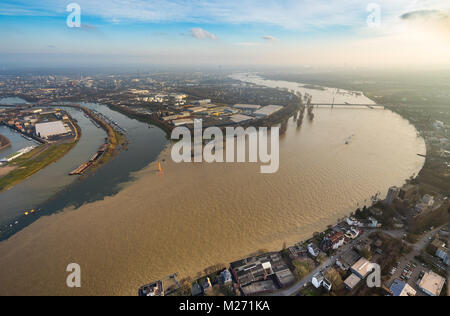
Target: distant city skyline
245, 32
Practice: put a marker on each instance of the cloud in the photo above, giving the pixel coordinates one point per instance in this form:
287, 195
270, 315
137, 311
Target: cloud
269, 38
289, 14
201, 34
425, 15
432, 20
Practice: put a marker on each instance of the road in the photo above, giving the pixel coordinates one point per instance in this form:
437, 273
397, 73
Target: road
417, 248
298, 286
330, 262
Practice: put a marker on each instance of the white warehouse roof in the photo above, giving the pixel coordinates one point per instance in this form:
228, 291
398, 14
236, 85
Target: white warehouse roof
268, 110
45, 130
432, 283
247, 106
239, 118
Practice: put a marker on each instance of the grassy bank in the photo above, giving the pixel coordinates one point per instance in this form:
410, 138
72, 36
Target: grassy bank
32, 162
116, 140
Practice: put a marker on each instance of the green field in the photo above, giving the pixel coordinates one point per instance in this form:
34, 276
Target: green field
32, 162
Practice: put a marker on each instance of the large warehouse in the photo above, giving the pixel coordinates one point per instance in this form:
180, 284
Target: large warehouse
432, 283
268, 110
46, 130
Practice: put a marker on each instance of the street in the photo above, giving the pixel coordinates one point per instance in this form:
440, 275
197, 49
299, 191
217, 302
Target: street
330, 262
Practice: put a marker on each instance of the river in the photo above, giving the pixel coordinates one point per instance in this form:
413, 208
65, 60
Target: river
52, 189
195, 215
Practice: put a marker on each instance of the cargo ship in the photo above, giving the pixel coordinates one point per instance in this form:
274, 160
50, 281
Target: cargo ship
86, 165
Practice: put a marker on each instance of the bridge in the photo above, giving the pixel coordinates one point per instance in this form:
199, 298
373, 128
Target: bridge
370, 106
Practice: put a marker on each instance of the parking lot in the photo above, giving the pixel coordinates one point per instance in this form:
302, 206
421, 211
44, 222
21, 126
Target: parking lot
408, 271
412, 266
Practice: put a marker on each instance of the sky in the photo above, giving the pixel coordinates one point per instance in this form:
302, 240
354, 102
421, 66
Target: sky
227, 32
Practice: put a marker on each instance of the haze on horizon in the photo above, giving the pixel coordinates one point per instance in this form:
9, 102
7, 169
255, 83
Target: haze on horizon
230, 33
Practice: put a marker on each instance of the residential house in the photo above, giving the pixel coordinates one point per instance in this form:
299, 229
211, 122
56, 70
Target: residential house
313, 250
333, 241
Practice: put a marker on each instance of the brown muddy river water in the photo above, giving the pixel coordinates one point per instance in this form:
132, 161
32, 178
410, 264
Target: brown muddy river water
196, 215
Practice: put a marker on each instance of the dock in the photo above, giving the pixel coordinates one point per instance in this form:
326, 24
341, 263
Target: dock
95, 123
110, 122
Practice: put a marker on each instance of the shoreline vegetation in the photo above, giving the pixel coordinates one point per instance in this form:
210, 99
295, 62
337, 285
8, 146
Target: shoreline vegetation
4, 142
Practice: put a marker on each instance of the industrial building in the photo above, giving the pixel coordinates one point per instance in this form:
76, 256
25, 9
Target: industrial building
352, 281
47, 130
181, 122
203, 102
247, 107
268, 110
240, 118
400, 288
362, 268
348, 259
196, 109
259, 287
432, 284
253, 274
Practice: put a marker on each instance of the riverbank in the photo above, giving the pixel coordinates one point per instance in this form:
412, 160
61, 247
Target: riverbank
4, 142
280, 117
32, 162
116, 140
5, 170
434, 176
